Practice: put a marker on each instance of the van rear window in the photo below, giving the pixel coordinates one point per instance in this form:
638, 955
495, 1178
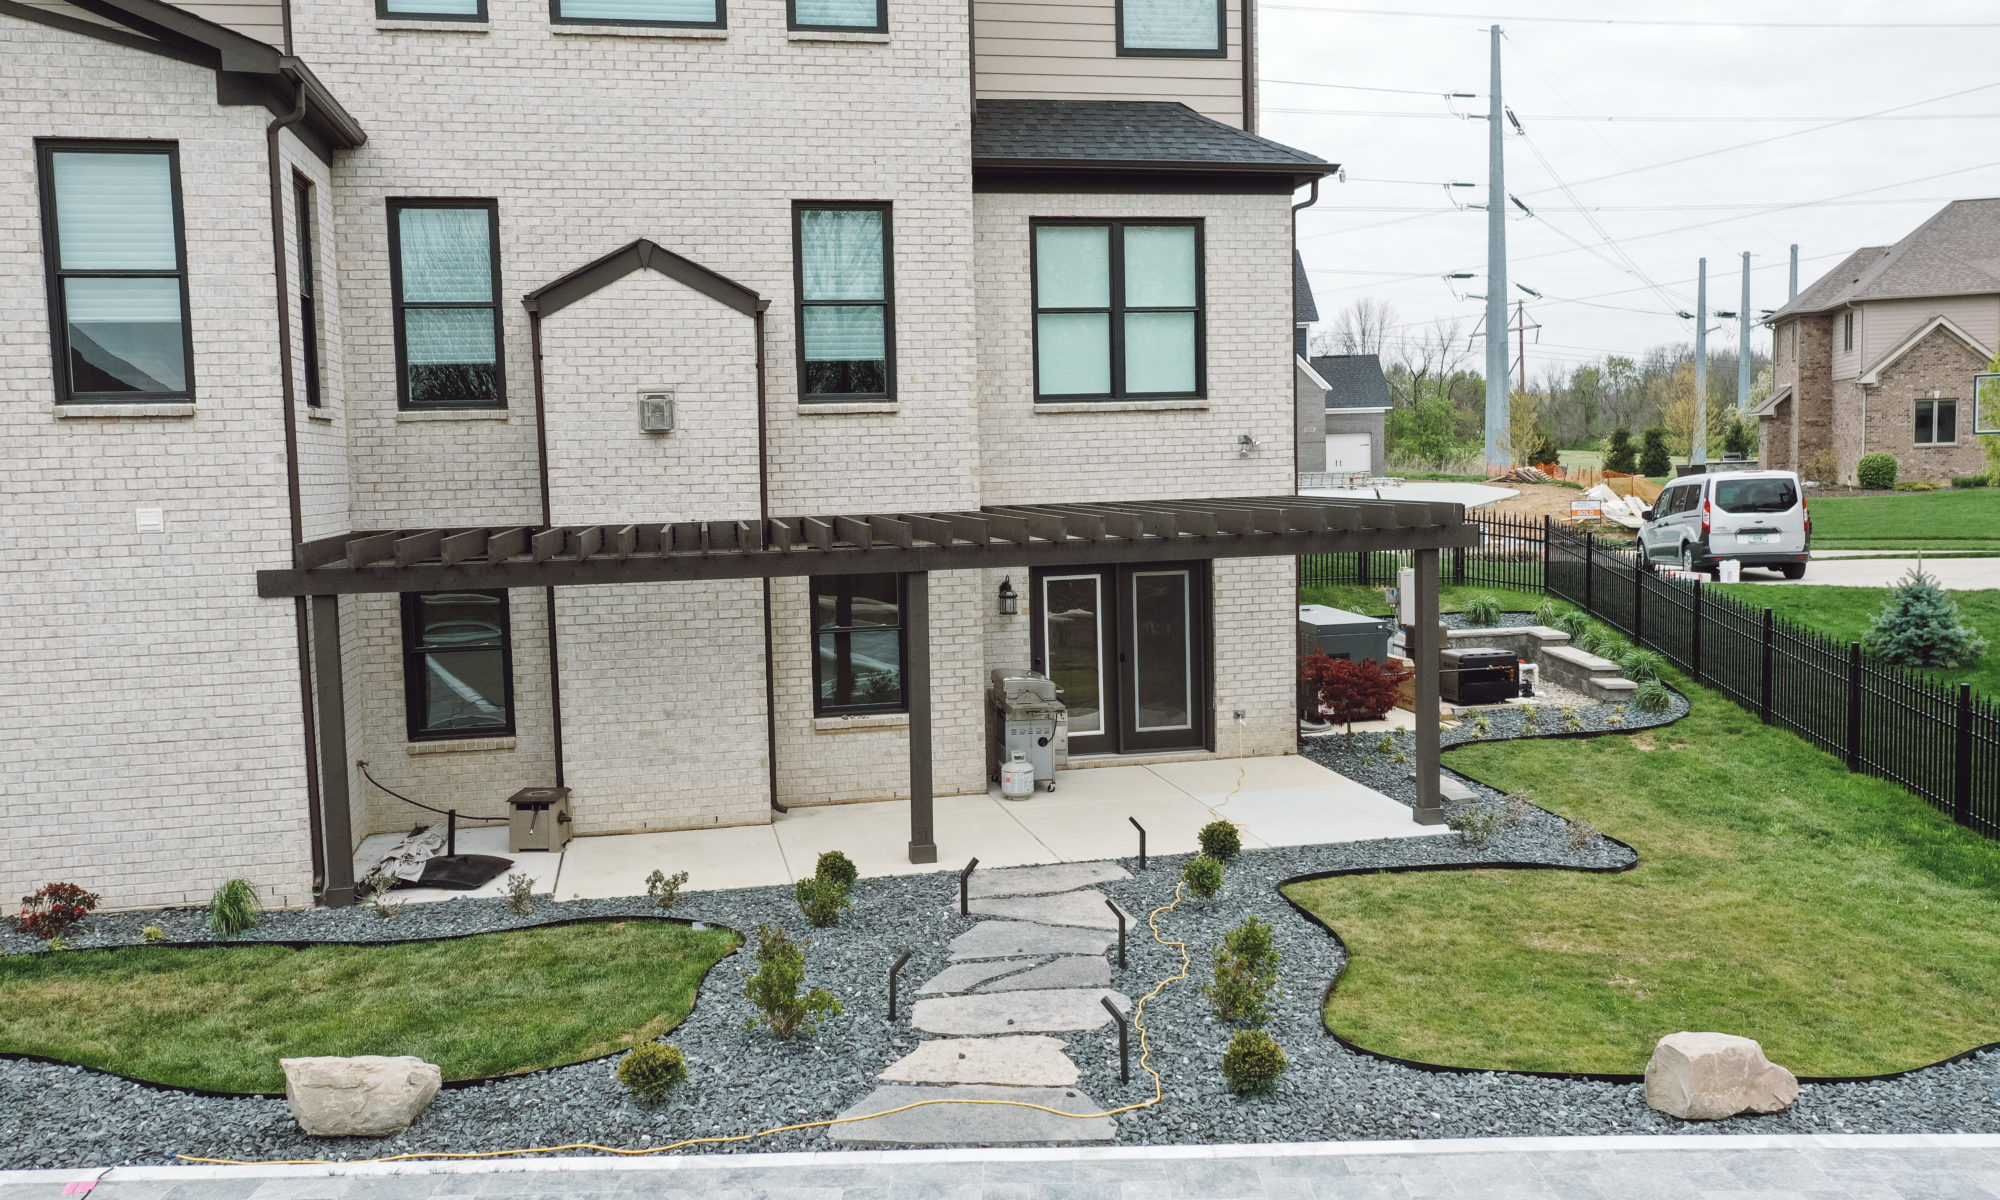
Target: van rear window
1756, 495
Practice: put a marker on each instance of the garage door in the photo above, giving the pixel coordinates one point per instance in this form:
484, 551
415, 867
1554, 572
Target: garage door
1347, 451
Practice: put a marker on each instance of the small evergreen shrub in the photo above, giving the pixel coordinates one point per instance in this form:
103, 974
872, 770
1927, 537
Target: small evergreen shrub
1246, 971
1653, 458
1919, 626
665, 889
1483, 611
838, 867
774, 988
1970, 481
820, 899
1740, 437
1203, 876
650, 1070
1253, 1062
1876, 470
520, 894
1652, 697
1641, 665
52, 908
1220, 840
234, 908
1619, 453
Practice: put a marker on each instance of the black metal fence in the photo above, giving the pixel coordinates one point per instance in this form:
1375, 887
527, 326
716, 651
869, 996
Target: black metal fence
1934, 738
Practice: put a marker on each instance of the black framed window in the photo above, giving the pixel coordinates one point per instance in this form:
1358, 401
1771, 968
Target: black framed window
1937, 422
458, 665
863, 16
114, 243
845, 284
706, 14
444, 271
1118, 311
309, 333
431, 10
1846, 331
1173, 28
857, 644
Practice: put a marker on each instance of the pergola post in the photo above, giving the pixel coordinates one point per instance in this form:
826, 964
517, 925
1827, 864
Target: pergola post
336, 830
917, 693
1424, 654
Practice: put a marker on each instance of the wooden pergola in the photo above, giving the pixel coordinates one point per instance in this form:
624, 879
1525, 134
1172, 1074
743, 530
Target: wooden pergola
908, 544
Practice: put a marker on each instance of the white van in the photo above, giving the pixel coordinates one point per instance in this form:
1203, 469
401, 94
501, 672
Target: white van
1758, 518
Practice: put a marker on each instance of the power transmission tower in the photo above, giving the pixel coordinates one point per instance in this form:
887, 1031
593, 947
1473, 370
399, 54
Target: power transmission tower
1698, 440
1743, 341
1520, 330
1497, 458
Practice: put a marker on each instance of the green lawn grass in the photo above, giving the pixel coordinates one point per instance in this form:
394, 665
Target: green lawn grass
1835, 918
1941, 520
221, 1018
1848, 612
1374, 601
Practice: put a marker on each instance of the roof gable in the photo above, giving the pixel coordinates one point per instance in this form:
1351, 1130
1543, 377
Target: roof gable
1956, 252
1305, 310
558, 294
1354, 381
1131, 136
1872, 377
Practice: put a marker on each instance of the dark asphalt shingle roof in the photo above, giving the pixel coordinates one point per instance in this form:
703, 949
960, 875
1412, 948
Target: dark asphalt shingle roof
1955, 253
1302, 292
1354, 380
1060, 132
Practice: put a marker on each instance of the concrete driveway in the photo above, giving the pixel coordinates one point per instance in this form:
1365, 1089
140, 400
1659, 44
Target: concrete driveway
1957, 574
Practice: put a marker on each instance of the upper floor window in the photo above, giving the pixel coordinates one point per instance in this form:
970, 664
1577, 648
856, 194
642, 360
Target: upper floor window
845, 307
458, 664
1117, 309
444, 274
431, 10
702, 13
1847, 330
1937, 422
302, 205
115, 251
857, 644
1173, 28
865, 16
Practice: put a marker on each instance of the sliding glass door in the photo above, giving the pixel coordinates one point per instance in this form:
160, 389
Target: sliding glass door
1128, 646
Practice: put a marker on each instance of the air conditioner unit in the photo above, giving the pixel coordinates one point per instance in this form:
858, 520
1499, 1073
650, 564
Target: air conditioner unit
656, 412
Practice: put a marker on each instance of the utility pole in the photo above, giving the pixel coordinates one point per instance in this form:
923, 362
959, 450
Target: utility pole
1698, 440
1794, 293
1743, 342
1497, 459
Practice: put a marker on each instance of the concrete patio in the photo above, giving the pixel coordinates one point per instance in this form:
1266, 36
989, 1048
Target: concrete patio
1282, 800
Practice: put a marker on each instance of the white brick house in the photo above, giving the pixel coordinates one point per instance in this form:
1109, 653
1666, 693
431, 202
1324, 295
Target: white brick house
876, 263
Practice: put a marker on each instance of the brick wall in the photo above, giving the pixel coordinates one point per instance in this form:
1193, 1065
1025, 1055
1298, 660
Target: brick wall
1940, 365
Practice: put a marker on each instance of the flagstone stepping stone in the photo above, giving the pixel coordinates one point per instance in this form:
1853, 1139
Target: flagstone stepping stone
1034, 881
1028, 1061
1053, 1010
1022, 939
1074, 972
1083, 909
963, 977
972, 1124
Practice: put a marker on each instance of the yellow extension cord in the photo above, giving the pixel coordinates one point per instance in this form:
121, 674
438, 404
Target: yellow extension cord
1138, 1019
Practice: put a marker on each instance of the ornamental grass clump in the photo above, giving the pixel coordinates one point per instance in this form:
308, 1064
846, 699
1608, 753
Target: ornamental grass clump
1246, 973
1220, 841
1920, 626
1203, 876
774, 988
1652, 697
234, 908
1641, 665
1253, 1062
52, 908
1483, 611
1571, 622
650, 1070
1548, 612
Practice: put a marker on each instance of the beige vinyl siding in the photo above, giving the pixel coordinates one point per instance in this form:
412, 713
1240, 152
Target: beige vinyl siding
260, 19
1889, 322
1847, 363
1042, 51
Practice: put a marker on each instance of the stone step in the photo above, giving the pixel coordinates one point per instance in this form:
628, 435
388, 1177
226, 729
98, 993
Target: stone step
1055, 1010
1034, 881
1031, 1060
1073, 972
972, 1124
965, 976
1022, 939
1085, 910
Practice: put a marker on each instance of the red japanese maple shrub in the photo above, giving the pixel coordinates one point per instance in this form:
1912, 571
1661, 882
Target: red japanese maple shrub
54, 908
1350, 691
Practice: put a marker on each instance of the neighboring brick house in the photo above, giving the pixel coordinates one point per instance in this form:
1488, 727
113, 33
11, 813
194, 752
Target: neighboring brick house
1879, 353
481, 402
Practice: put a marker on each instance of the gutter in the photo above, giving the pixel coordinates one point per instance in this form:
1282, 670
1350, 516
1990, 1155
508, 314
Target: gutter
764, 523
548, 593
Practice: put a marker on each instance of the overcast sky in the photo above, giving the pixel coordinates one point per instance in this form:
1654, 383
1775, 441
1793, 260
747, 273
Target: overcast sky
1390, 232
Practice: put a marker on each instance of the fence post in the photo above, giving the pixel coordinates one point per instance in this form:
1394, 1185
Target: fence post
1363, 569
1638, 602
1548, 542
1961, 776
1589, 561
1694, 651
1854, 706
1764, 683
1458, 564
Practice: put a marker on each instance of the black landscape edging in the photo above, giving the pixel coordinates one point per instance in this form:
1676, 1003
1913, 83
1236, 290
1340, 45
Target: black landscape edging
447, 1085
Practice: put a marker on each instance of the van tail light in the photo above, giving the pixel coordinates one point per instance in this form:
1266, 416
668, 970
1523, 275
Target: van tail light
1706, 509
1807, 510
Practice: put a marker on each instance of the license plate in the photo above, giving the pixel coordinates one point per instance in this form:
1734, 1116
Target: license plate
1759, 538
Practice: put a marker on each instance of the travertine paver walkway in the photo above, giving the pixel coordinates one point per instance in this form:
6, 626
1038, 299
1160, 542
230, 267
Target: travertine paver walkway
1036, 971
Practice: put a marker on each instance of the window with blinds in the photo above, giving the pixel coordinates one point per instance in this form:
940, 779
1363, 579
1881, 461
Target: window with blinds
703, 13
861, 16
846, 309
1117, 309
431, 10
445, 282
115, 250
1173, 28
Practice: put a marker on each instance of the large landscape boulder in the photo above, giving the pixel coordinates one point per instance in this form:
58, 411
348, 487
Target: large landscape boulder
1709, 1076
367, 1096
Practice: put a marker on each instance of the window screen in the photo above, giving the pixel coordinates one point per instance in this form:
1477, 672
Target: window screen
857, 644
844, 302
865, 15
458, 664
638, 12
112, 239
1171, 27
446, 284
1117, 309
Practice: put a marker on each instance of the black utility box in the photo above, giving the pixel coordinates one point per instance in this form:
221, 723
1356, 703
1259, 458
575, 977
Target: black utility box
1479, 676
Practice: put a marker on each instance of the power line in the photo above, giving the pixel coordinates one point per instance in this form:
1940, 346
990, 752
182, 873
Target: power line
1613, 21
1760, 206
1355, 87
1634, 120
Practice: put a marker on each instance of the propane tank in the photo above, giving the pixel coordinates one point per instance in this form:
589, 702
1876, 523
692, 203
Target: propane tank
1017, 777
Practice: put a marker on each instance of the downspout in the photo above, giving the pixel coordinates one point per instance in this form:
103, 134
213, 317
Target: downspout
548, 593
1311, 199
764, 519
1249, 66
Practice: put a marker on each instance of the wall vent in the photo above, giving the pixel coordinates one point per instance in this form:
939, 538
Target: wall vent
656, 412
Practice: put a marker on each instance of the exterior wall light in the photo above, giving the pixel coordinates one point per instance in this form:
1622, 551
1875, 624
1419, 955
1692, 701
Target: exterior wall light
1010, 600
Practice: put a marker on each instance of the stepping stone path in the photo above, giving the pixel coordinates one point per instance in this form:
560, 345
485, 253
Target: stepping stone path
1039, 968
